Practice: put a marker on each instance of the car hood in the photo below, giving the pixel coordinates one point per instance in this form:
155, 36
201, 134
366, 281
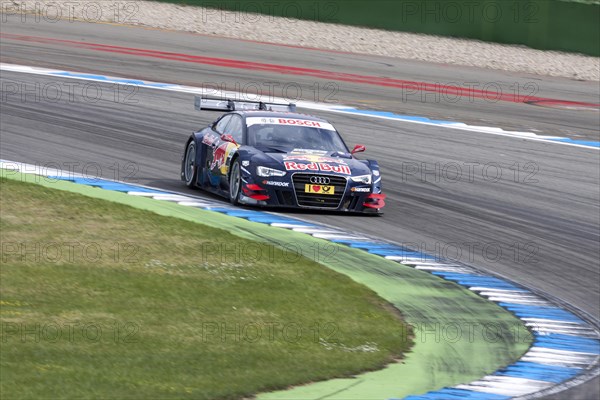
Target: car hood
318, 162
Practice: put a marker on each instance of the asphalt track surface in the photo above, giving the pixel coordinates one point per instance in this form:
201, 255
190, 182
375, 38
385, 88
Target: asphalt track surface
529, 211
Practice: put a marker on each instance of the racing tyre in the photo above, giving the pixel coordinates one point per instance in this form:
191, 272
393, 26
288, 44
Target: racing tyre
190, 171
235, 182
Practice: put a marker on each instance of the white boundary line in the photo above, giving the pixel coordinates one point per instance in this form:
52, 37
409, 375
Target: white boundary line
341, 109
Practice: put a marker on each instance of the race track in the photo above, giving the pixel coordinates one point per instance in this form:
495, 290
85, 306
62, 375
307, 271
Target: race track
527, 210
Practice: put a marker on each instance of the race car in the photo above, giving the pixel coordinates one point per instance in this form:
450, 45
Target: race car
266, 154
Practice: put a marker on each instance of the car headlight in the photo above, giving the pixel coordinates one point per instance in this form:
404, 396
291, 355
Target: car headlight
268, 172
364, 179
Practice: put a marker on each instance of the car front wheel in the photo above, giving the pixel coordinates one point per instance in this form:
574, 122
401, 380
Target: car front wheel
189, 165
235, 182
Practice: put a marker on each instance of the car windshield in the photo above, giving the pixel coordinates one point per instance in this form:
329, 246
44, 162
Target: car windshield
285, 138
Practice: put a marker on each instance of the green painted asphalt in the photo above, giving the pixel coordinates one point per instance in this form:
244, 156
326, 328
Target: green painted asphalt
459, 337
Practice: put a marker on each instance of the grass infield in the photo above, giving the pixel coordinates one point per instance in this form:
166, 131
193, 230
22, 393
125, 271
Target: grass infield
102, 300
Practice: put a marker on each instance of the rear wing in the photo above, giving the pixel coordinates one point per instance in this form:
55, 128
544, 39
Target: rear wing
202, 103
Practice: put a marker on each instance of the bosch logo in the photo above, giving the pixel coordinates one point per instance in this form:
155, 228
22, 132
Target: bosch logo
320, 180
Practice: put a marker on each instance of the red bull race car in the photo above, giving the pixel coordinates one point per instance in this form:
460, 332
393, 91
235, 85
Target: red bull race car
266, 154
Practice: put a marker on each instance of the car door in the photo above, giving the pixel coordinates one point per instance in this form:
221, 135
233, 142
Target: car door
223, 145
215, 149
232, 139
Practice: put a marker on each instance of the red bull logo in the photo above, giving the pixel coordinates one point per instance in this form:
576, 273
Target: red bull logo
324, 167
338, 169
220, 154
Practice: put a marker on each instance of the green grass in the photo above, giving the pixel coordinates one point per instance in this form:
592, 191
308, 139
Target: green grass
149, 307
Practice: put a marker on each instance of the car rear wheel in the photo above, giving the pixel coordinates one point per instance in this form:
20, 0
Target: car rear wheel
235, 182
189, 165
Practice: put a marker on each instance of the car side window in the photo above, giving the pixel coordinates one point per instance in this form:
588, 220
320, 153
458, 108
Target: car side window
222, 124
235, 128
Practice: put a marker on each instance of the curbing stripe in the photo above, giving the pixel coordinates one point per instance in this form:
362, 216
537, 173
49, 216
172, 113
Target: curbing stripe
524, 377
406, 288
308, 105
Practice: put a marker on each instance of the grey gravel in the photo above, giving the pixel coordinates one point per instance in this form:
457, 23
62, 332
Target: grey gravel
320, 35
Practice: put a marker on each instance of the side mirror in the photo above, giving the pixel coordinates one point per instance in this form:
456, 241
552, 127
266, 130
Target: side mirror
359, 148
228, 138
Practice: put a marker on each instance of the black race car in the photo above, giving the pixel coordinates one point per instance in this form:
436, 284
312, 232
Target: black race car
266, 154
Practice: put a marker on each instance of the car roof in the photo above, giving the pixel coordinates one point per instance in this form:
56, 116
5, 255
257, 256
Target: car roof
279, 114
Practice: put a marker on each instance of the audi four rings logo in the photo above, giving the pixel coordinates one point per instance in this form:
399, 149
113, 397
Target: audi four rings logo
320, 180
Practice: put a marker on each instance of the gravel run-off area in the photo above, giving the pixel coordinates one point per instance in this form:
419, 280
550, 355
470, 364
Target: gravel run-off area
321, 35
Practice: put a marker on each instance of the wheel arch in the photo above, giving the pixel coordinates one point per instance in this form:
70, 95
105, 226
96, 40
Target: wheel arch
235, 156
